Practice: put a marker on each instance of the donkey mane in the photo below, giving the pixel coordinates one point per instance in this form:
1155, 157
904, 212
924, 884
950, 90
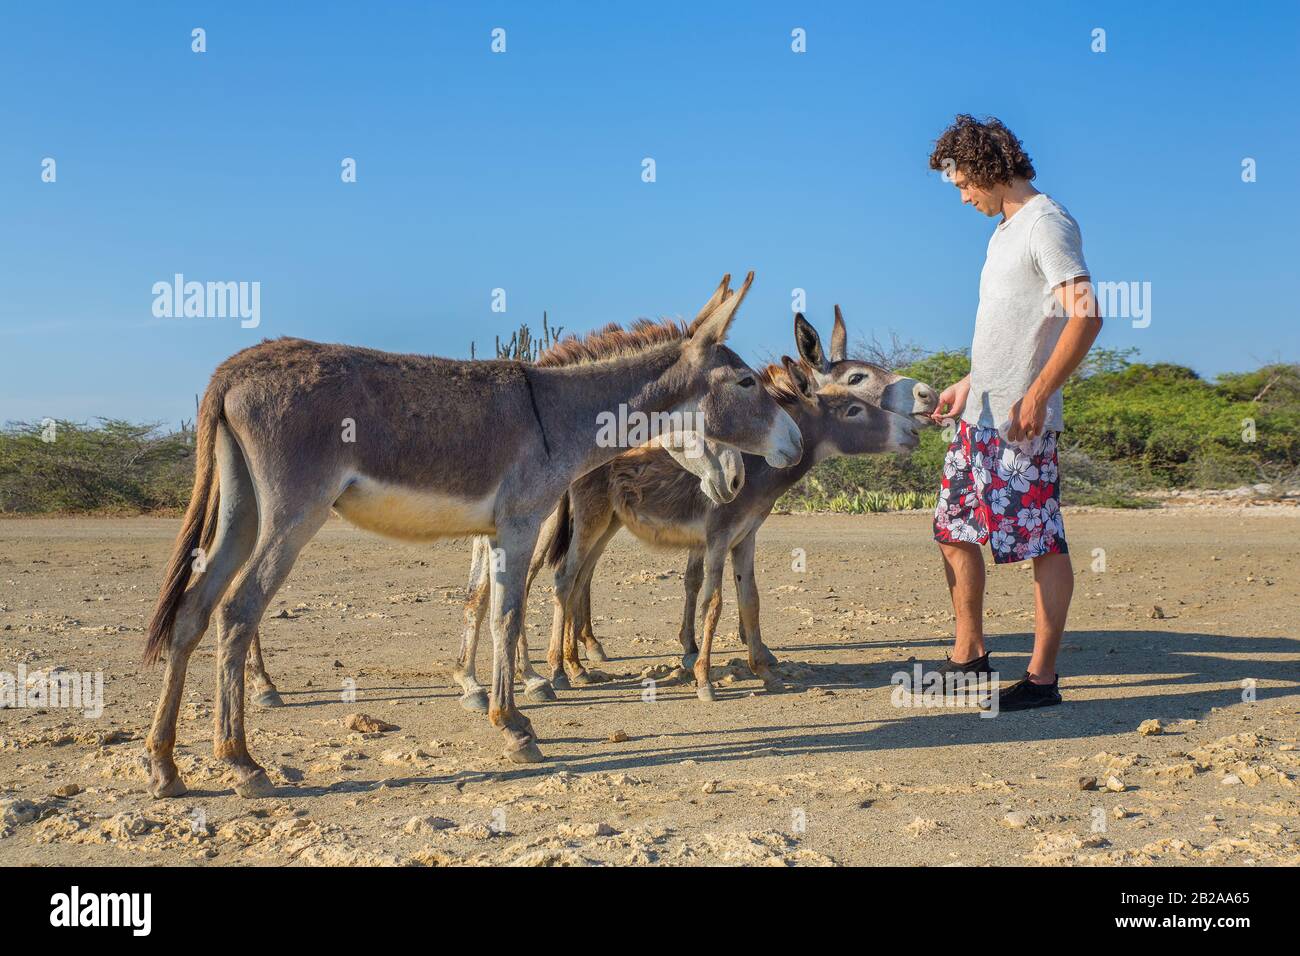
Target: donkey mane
612, 342
781, 386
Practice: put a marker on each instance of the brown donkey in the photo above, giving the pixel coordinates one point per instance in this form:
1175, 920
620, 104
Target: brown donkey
639, 489
289, 429
721, 473
637, 492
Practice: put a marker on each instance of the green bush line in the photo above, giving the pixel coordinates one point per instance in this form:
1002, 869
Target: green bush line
1130, 427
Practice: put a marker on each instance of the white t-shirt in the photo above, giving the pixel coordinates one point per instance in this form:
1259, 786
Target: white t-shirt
1019, 319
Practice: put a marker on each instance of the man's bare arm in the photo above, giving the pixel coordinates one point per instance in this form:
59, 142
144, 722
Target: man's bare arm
1081, 329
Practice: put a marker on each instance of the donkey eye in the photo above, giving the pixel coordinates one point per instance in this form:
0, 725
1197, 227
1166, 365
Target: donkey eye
746, 382
854, 411
856, 378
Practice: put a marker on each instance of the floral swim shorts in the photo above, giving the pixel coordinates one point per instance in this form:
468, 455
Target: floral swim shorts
1006, 495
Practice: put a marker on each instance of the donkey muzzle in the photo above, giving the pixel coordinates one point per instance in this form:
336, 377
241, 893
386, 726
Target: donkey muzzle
907, 396
722, 483
903, 436
924, 401
785, 442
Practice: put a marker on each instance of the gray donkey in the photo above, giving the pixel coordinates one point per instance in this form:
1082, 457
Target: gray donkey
838, 404
721, 473
289, 429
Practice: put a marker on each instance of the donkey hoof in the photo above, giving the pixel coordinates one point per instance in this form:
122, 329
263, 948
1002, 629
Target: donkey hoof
581, 677
560, 681
538, 690
596, 652
705, 692
528, 752
269, 698
773, 687
475, 701
688, 661
256, 784
175, 787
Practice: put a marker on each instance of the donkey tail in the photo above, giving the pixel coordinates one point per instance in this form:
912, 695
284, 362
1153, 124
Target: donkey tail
562, 535
197, 530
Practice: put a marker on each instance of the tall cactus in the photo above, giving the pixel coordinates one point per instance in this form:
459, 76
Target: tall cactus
522, 346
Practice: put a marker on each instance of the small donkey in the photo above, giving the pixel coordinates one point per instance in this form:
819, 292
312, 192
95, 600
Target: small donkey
642, 490
645, 495
721, 473
289, 429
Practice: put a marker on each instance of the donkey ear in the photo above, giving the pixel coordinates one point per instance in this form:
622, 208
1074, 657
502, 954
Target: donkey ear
839, 338
712, 329
799, 376
715, 300
809, 344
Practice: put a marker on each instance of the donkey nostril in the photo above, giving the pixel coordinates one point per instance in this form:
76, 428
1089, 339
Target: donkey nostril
735, 484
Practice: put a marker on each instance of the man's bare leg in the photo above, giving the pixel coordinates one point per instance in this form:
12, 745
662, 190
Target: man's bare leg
1053, 588
963, 563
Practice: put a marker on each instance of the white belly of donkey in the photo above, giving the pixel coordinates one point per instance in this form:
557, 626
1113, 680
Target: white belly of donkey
414, 514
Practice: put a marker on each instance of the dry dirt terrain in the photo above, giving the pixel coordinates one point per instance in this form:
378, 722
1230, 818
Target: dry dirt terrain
828, 772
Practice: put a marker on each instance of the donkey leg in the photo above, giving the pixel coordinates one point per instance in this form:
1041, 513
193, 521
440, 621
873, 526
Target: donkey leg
694, 579
536, 687
509, 583
562, 656
475, 696
555, 650
594, 523
715, 559
592, 534
572, 625
595, 650
263, 686
191, 624
235, 534
582, 618
480, 587
279, 541
763, 653
562, 637
742, 566
572, 599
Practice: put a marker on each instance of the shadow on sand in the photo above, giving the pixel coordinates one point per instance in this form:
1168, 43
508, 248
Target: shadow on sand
1151, 665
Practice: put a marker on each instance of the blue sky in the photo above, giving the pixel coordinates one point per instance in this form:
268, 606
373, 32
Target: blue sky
522, 171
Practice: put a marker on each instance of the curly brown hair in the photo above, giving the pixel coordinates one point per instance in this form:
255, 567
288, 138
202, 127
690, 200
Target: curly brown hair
987, 153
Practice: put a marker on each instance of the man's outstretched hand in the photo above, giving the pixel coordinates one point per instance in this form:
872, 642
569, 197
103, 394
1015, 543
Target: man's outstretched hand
952, 401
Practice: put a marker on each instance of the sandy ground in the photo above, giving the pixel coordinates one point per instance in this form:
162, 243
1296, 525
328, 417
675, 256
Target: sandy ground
828, 772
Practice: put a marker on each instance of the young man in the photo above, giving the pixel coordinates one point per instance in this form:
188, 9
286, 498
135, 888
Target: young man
1036, 321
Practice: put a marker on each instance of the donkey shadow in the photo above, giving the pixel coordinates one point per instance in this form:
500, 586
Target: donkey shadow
1157, 661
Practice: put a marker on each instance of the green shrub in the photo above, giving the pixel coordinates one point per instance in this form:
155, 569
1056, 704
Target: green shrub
1174, 429
1130, 427
114, 466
